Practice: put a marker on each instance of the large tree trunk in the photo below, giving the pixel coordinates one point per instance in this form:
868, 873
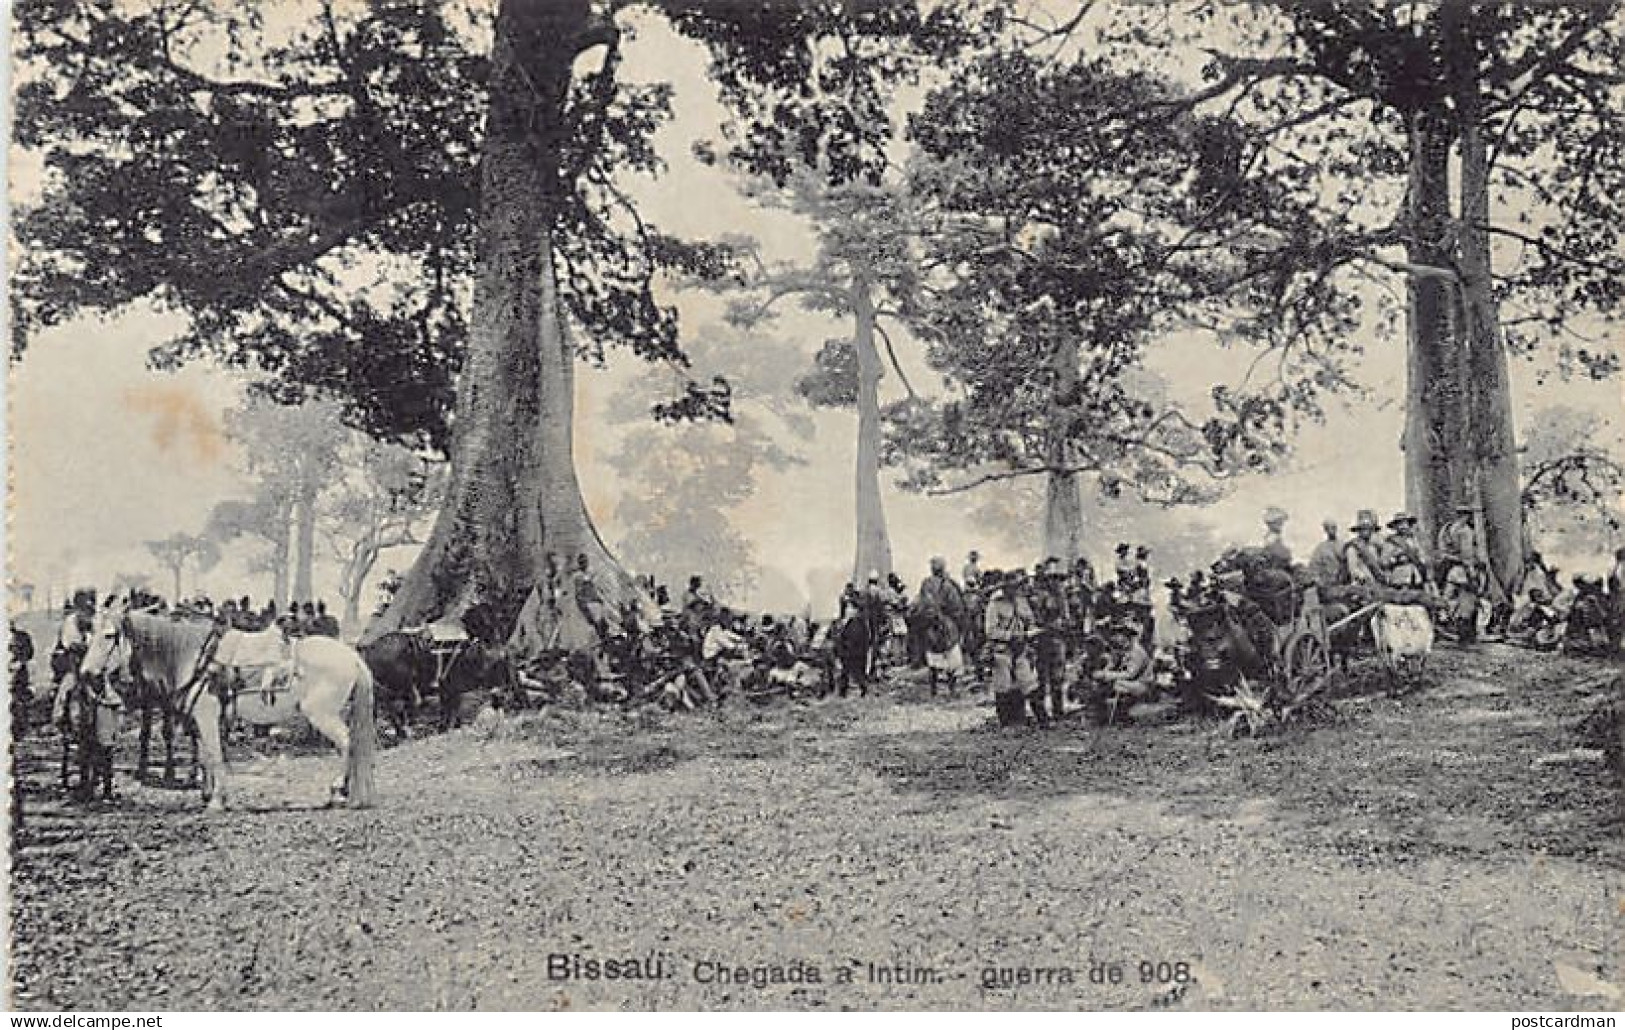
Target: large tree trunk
304, 555
513, 494
873, 548
1435, 374
1063, 495
1489, 417
280, 546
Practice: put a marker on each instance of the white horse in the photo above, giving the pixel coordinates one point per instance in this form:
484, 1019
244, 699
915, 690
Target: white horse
211, 676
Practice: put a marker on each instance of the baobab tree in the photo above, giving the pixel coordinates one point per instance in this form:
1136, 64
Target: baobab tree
249, 180
1470, 148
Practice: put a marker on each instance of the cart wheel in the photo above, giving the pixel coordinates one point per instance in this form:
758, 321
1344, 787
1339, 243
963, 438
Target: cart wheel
1308, 671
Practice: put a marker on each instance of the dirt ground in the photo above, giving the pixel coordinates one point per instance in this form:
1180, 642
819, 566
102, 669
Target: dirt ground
1459, 847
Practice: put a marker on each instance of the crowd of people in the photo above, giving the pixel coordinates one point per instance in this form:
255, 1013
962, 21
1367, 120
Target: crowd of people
1056, 636
1452, 578
1042, 639
1024, 632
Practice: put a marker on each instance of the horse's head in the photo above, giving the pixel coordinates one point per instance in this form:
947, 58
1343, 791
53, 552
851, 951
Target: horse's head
108, 652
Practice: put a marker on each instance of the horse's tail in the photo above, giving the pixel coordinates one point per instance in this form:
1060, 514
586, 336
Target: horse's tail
363, 740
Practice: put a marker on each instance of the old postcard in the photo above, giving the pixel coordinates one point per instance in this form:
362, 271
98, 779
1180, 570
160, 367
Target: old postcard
826, 505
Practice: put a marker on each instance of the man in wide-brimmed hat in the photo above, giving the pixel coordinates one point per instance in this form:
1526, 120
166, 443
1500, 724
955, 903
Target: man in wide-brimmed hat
1009, 626
1404, 564
1458, 542
1360, 555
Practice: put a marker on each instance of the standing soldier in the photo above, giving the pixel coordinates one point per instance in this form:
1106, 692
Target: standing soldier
1008, 624
874, 609
1458, 543
1462, 572
971, 575
325, 625
1050, 610
1360, 555
1124, 571
1326, 563
851, 602
22, 700
942, 611
1404, 564
1081, 597
1139, 596
1274, 522
72, 641
896, 596
22, 696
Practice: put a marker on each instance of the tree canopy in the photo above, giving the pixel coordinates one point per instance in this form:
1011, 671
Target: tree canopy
1071, 229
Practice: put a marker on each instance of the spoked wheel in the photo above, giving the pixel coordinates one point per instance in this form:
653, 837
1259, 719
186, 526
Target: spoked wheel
1307, 671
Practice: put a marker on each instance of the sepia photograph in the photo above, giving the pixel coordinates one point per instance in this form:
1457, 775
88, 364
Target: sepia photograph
816, 505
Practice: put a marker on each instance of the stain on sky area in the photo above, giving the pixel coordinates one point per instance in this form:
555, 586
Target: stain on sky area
179, 420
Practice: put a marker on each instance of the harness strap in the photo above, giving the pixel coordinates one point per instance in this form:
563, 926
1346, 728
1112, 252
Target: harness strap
198, 681
444, 662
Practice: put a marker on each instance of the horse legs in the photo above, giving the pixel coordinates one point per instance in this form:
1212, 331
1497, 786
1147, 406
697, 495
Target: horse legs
399, 720
211, 746
101, 764
451, 701
143, 755
89, 749
79, 734
329, 722
192, 770
169, 746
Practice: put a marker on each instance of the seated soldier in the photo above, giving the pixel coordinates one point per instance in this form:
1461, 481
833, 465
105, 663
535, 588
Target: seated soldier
1463, 603
1586, 630
1536, 623
725, 656
1131, 676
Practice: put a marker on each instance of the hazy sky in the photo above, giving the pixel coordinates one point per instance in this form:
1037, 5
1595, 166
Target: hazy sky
106, 454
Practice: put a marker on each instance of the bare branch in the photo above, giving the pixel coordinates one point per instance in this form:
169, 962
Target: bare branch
896, 366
